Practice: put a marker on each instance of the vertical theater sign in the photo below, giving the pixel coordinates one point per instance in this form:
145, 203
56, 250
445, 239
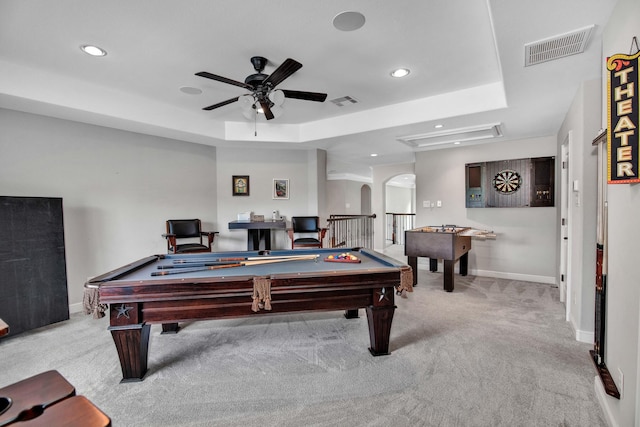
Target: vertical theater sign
623, 118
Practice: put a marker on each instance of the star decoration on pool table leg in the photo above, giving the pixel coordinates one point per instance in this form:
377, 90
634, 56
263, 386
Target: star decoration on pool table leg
383, 295
123, 311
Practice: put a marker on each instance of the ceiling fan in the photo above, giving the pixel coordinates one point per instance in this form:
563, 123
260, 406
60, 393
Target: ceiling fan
262, 86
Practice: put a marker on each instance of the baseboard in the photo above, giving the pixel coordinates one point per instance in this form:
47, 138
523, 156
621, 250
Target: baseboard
424, 262
584, 336
75, 308
514, 276
602, 398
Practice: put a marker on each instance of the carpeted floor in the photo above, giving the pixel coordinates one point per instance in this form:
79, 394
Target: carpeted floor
492, 353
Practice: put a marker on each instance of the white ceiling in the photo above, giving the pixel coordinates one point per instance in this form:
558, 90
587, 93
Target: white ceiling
466, 59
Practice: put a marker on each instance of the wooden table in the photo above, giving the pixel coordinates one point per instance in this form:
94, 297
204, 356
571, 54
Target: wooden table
258, 232
47, 399
446, 243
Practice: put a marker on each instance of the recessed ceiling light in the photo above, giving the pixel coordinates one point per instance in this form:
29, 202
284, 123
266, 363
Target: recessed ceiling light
348, 21
438, 126
456, 143
93, 50
374, 155
400, 72
190, 90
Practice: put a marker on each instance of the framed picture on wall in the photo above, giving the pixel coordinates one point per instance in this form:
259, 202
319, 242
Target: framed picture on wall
240, 185
280, 188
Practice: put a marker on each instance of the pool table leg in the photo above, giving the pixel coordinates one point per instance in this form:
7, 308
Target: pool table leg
379, 317
170, 328
132, 343
351, 314
413, 263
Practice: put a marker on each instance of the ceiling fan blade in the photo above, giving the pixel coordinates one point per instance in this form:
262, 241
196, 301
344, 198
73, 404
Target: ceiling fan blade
221, 104
223, 80
268, 114
307, 96
288, 67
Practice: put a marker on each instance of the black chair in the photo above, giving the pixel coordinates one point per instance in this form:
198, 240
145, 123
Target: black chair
187, 229
306, 225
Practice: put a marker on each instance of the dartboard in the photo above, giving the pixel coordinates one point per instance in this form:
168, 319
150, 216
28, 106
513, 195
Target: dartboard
507, 181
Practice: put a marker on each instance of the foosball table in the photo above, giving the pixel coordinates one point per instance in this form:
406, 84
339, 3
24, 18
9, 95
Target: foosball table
449, 243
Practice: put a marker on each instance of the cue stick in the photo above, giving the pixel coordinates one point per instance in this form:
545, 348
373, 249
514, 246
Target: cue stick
196, 264
193, 269
217, 267
256, 258
260, 258
605, 244
271, 261
243, 262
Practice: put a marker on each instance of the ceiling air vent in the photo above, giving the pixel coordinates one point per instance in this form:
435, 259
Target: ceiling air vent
345, 100
434, 139
556, 47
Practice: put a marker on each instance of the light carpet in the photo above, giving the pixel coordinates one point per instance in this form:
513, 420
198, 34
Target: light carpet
492, 353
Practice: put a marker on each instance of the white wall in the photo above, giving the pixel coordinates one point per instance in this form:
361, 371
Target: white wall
263, 166
623, 291
118, 188
344, 197
399, 199
525, 247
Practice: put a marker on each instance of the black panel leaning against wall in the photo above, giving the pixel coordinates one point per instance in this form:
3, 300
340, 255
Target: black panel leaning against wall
33, 288
510, 183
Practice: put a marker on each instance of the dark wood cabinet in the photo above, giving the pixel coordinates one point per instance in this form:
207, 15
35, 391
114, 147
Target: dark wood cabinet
542, 181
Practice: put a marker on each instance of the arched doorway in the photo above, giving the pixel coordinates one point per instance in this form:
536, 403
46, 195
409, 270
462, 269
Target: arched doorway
400, 207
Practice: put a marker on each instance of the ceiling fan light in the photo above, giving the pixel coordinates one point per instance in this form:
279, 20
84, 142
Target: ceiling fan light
246, 102
277, 97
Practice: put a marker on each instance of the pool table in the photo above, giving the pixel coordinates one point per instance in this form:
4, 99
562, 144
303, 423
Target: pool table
167, 289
